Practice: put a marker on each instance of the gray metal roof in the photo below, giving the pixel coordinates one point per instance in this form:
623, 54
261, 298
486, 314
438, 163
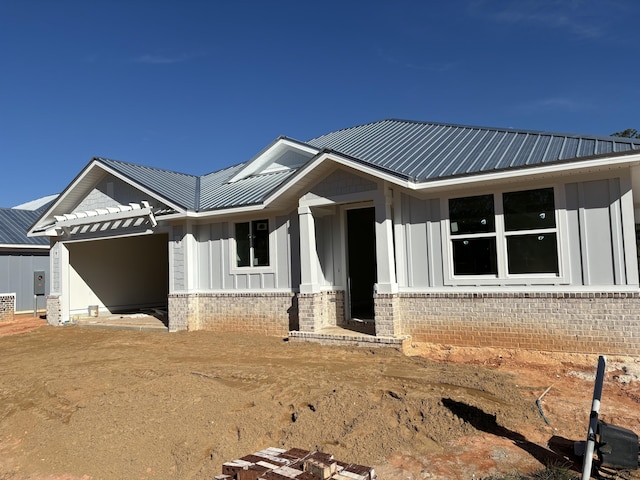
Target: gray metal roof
418, 151
179, 188
14, 224
424, 151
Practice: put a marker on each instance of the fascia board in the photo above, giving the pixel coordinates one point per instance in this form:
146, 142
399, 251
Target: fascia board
22, 246
599, 164
74, 183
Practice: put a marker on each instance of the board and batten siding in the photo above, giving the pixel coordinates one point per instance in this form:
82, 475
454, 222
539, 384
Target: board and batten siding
216, 269
597, 243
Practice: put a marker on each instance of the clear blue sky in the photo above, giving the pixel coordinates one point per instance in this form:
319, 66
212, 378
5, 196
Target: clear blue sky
195, 85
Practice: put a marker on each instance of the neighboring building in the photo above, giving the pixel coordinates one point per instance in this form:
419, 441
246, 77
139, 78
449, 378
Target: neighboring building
21, 256
449, 234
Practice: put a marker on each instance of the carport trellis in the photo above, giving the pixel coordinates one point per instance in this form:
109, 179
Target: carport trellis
101, 219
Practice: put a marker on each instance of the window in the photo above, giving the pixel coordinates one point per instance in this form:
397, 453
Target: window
252, 243
514, 233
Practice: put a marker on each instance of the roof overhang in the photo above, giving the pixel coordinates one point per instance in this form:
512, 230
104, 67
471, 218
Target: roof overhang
80, 187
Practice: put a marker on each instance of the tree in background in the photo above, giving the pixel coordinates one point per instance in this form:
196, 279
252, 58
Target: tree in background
628, 133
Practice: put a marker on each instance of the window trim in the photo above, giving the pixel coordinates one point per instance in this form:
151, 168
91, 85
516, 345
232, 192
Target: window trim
500, 234
233, 265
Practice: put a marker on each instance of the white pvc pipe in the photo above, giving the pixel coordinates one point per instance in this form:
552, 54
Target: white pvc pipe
593, 419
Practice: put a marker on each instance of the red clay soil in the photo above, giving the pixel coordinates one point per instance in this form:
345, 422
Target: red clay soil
100, 404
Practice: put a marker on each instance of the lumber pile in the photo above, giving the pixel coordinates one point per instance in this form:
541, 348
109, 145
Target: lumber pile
279, 464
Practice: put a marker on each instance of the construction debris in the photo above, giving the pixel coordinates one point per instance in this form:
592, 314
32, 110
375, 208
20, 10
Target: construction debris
279, 464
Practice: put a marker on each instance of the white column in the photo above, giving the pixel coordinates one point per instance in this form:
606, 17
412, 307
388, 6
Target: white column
309, 262
385, 256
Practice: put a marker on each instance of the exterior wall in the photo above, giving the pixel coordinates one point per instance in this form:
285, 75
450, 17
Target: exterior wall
7, 306
594, 219
602, 323
16, 275
215, 265
262, 313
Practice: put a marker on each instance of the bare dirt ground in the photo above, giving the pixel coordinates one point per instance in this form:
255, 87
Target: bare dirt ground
100, 404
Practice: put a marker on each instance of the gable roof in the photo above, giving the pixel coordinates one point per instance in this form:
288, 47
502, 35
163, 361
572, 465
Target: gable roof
423, 151
412, 152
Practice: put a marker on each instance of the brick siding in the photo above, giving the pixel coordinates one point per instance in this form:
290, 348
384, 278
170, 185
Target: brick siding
54, 313
602, 323
317, 310
7, 306
264, 313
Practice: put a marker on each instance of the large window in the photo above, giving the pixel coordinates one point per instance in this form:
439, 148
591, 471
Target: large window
514, 233
252, 243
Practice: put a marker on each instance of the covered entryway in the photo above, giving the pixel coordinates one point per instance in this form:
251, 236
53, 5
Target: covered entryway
128, 275
361, 271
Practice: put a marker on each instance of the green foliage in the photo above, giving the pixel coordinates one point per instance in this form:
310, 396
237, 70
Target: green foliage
552, 472
628, 133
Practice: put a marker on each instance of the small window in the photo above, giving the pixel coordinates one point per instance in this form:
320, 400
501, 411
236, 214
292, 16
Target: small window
252, 243
472, 215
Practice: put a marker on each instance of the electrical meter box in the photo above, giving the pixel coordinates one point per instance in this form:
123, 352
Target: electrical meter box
38, 283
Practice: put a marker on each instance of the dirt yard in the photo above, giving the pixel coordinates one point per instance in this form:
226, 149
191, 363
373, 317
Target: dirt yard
98, 404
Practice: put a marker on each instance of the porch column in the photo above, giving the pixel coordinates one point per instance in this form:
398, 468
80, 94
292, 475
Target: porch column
385, 255
59, 296
309, 262
385, 297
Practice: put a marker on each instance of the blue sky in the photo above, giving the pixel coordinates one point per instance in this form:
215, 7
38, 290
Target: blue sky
197, 85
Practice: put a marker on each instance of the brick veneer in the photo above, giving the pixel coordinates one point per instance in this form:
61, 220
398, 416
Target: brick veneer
565, 322
317, 310
264, 313
7, 306
54, 313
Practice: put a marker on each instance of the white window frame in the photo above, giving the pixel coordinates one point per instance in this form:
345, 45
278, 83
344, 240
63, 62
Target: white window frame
234, 268
500, 234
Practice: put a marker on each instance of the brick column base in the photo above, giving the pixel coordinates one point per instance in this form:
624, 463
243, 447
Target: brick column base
54, 310
387, 314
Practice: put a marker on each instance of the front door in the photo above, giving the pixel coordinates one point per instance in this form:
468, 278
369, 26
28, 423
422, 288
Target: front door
361, 252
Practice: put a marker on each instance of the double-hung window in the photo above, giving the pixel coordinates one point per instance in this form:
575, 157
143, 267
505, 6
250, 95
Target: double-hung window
504, 235
252, 243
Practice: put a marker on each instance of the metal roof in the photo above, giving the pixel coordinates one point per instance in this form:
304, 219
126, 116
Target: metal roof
424, 151
247, 191
418, 151
179, 188
14, 224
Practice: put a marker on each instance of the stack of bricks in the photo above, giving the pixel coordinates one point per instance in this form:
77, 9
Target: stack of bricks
278, 464
7, 306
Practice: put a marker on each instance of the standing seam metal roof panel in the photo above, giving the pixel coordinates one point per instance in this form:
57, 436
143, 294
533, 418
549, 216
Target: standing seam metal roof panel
15, 224
425, 150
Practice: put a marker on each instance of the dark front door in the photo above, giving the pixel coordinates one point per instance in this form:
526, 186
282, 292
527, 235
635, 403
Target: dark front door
361, 252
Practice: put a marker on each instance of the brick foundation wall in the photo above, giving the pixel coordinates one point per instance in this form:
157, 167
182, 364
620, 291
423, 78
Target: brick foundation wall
264, 313
317, 310
387, 315
54, 313
7, 306
599, 323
